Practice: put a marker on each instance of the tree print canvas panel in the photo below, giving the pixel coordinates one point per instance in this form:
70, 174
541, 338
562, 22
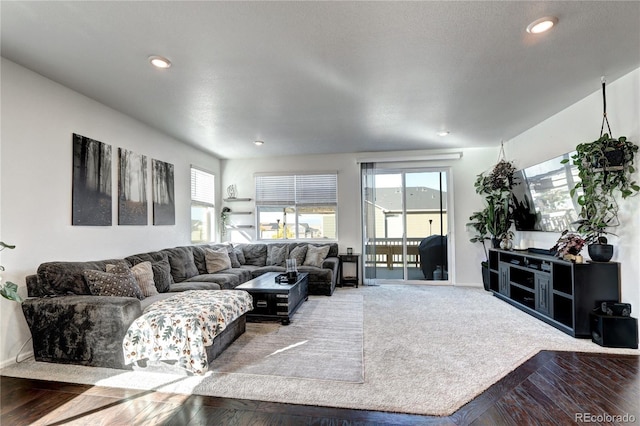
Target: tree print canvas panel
132, 188
164, 209
91, 198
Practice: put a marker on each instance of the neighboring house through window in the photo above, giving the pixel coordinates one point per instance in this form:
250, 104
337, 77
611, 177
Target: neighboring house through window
202, 206
300, 206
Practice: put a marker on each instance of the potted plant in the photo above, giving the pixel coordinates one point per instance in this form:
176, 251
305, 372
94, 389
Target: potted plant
601, 183
495, 220
9, 290
224, 220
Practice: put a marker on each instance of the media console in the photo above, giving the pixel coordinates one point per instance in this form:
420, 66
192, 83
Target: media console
556, 291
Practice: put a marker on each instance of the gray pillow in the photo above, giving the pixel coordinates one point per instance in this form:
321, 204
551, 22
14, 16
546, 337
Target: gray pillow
160, 266
255, 254
299, 254
240, 254
112, 284
276, 254
233, 256
143, 272
182, 263
217, 260
316, 255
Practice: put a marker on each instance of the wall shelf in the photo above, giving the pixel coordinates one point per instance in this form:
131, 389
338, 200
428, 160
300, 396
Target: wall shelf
239, 226
232, 212
230, 200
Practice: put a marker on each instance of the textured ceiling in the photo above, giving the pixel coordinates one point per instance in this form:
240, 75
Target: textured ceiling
327, 77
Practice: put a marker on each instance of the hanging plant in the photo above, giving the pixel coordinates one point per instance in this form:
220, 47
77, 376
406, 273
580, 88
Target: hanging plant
224, 220
605, 167
495, 220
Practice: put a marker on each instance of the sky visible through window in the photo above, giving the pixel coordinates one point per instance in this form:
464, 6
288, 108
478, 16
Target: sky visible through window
429, 180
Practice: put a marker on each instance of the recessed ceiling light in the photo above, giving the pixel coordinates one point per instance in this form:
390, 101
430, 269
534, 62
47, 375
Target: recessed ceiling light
443, 133
258, 143
159, 61
541, 25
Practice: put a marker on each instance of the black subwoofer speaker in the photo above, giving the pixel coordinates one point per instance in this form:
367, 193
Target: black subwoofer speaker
614, 331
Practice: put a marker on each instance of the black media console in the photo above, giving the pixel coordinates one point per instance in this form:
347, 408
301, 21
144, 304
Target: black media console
558, 292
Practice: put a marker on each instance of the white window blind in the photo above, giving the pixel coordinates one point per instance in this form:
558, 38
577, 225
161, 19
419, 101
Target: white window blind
290, 190
202, 187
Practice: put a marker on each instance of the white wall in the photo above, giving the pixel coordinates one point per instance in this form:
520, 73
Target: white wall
38, 120
474, 161
580, 123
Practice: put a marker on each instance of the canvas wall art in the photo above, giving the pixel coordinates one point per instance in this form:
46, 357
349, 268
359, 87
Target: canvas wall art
164, 210
91, 193
132, 188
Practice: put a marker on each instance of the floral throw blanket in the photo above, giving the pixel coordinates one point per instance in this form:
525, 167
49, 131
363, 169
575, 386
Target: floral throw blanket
179, 328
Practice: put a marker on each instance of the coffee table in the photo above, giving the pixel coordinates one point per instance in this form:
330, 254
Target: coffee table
275, 301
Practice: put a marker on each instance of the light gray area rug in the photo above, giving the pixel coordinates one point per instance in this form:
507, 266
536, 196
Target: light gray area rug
427, 350
324, 341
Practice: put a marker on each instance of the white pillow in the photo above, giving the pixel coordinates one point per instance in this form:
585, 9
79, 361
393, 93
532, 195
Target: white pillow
316, 255
217, 260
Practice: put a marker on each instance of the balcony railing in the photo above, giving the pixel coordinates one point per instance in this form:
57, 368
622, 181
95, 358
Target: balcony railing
388, 252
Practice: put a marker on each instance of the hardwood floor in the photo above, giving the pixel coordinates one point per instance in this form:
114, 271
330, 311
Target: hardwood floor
551, 388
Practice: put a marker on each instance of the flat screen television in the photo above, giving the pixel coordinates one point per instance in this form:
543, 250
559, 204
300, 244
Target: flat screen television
541, 196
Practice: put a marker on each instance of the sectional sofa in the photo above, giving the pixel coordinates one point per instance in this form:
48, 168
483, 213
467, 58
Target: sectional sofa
70, 324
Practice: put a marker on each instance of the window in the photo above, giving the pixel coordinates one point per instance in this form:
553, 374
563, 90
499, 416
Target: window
202, 206
297, 206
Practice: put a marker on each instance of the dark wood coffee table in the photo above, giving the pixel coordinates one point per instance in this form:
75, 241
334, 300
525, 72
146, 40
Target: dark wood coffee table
275, 301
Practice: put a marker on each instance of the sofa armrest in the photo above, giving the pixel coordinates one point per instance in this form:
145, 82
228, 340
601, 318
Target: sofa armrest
85, 330
332, 263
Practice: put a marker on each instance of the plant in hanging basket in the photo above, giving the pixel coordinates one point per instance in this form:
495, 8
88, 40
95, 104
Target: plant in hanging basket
602, 184
495, 220
605, 167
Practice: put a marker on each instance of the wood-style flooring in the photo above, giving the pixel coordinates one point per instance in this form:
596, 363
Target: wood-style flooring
551, 388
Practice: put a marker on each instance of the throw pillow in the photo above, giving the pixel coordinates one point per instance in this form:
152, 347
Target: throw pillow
276, 254
299, 254
112, 284
316, 255
162, 275
238, 251
255, 254
144, 276
235, 262
217, 260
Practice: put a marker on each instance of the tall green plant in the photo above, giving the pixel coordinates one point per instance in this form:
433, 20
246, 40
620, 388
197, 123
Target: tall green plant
602, 181
495, 220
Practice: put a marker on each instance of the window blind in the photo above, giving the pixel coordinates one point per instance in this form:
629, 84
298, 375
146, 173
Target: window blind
320, 189
202, 187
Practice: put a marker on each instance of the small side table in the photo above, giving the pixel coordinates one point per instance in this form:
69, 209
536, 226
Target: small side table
349, 258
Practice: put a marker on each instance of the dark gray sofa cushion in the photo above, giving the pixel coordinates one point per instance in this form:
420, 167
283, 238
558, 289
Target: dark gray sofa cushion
224, 280
299, 253
160, 265
277, 254
255, 254
182, 263
194, 285
64, 278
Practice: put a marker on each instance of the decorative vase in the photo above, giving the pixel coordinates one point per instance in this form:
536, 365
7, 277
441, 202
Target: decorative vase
600, 252
506, 244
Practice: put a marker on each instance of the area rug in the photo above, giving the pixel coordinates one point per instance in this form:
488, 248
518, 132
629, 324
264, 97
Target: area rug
427, 350
324, 341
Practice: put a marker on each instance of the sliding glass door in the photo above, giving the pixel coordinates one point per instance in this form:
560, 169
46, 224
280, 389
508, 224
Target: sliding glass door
405, 224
